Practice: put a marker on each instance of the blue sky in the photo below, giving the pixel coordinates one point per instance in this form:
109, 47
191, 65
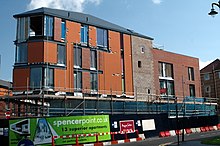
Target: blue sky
182, 27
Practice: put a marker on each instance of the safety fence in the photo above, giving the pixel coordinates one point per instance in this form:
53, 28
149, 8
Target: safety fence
96, 135
188, 131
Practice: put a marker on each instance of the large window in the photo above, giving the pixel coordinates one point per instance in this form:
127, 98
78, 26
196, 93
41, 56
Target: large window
48, 26
21, 53
167, 88
22, 29
191, 73
165, 70
102, 38
192, 90
77, 57
77, 81
61, 55
42, 78
84, 34
94, 81
63, 30
93, 59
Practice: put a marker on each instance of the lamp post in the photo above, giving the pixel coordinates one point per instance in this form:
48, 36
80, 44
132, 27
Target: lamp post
213, 12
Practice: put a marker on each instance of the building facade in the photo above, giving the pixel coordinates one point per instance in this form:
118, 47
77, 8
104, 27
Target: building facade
210, 79
68, 55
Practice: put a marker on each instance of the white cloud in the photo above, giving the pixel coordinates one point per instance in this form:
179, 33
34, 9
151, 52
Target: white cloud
204, 64
157, 1
72, 5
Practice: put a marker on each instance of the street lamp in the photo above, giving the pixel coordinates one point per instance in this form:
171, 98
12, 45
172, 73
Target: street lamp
213, 12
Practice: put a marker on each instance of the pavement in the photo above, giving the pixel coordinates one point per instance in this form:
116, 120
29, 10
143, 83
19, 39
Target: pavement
187, 143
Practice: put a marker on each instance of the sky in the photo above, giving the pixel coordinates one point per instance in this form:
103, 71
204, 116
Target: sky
179, 26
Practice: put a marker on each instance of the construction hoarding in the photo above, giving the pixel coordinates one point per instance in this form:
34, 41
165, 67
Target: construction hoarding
41, 130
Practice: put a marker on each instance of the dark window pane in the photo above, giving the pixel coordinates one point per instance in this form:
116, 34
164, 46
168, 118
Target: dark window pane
36, 78
36, 26
48, 78
93, 59
21, 53
77, 81
102, 39
77, 57
94, 81
61, 54
192, 90
191, 73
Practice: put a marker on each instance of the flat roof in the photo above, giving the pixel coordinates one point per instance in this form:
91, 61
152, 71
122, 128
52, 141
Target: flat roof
81, 18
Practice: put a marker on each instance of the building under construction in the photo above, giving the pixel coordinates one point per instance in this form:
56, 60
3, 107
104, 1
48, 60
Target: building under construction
70, 63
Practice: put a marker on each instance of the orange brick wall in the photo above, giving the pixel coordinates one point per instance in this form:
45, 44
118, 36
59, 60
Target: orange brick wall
180, 69
92, 36
35, 52
50, 52
128, 65
20, 77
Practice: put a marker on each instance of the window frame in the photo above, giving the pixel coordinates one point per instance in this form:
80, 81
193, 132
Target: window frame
93, 81
102, 38
93, 59
206, 76
77, 81
84, 39
191, 74
21, 50
78, 57
61, 61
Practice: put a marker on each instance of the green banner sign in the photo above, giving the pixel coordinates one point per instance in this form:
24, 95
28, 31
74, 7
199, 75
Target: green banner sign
41, 130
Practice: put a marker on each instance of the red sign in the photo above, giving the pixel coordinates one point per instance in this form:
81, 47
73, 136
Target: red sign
127, 126
163, 90
7, 115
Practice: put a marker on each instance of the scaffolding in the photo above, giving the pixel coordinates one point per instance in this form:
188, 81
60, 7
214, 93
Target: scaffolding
42, 102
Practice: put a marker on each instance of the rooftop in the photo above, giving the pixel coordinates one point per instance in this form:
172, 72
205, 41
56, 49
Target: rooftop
81, 18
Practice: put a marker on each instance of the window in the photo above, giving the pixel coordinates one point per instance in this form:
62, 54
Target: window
48, 26
93, 59
61, 55
22, 29
21, 53
94, 81
167, 88
36, 26
191, 73
207, 89
165, 70
36, 78
142, 49
139, 64
42, 77
192, 92
102, 38
77, 57
206, 77
77, 81
48, 78
63, 30
84, 34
